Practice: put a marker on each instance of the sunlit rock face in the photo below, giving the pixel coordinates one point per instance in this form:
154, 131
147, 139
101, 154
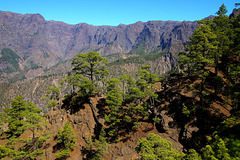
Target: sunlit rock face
43, 44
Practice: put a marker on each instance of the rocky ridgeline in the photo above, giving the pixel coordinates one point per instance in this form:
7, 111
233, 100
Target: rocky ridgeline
85, 120
42, 44
182, 132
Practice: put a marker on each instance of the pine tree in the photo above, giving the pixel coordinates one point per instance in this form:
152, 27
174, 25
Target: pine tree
30, 119
16, 114
90, 65
87, 69
101, 145
3, 117
222, 28
66, 139
184, 62
53, 93
133, 93
114, 100
6, 151
201, 51
146, 83
216, 150
154, 147
52, 96
133, 98
234, 67
192, 155
34, 121
82, 85
124, 80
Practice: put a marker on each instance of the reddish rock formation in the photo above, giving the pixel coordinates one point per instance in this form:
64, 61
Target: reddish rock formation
84, 123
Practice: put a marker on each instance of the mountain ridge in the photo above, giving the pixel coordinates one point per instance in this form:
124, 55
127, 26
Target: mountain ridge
43, 44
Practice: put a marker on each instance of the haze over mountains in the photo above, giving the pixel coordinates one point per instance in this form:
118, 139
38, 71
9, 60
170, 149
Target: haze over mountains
41, 44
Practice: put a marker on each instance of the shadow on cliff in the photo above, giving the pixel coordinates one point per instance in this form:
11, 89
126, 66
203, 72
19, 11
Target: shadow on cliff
194, 121
73, 103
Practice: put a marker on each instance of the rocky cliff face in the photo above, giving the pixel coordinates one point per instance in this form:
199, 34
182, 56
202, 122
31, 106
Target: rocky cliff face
184, 132
235, 13
85, 120
42, 44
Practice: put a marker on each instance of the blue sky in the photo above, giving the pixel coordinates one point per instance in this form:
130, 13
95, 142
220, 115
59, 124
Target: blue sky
114, 12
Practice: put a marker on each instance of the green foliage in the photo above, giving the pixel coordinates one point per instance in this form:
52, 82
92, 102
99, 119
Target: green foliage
33, 118
44, 137
146, 78
111, 43
140, 50
81, 84
113, 57
138, 59
114, 97
96, 148
221, 52
128, 60
66, 139
192, 155
124, 80
215, 43
223, 29
32, 64
222, 10
114, 100
154, 147
221, 26
200, 52
136, 124
8, 54
16, 114
217, 149
156, 120
3, 116
89, 143
53, 93
127, 118
228, 131
51, 104
63, 153
101, 145
138, 97
201, 48
90, 65
33, 122
87, 69
4, 151
184, 62
133, 93
146, 84
45, 55
185, 110
11, 57
135, 96
23, 116
225, 143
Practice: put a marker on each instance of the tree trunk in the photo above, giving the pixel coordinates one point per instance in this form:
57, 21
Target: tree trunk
216, 73
201, 94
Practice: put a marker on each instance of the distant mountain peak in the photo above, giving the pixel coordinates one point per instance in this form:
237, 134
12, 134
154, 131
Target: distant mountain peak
234, 13
42, 44
211, 17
